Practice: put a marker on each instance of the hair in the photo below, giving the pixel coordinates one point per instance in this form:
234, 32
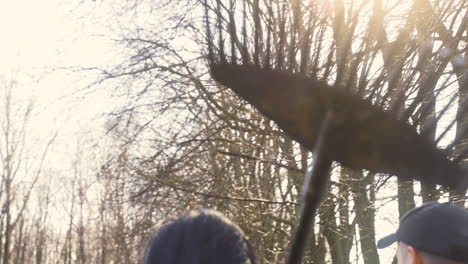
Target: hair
201, 237
427, 257
433, 259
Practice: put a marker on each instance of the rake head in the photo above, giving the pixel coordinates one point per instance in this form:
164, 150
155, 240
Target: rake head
363, 136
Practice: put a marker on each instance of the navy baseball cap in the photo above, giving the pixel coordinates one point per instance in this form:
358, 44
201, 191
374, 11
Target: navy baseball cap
440, 229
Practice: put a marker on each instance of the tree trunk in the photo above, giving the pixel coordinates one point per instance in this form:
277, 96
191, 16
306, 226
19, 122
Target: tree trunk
405, 197
365, 215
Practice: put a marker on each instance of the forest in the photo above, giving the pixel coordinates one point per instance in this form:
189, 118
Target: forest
176, 139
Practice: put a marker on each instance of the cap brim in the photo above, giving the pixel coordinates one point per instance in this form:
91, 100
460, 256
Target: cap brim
387, 241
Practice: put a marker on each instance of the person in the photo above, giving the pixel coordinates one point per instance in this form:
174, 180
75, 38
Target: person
200, 237
434, 233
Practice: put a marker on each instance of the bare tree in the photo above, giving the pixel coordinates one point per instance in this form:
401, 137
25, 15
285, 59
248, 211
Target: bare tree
19, 175
184, 141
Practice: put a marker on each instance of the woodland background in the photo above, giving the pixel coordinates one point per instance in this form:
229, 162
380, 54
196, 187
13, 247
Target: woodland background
174, 140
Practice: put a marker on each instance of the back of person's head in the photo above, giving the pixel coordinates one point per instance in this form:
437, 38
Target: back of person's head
434, 232
201, 237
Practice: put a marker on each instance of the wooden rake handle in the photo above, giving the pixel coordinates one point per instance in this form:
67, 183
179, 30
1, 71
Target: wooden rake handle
314, 187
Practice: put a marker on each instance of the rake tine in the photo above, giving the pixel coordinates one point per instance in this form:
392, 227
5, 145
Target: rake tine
256, 14
463, 108
433, 122
268, 27
305, 51
245, 52
232, 32
295, 10
427, 107
282, 37
313, 190
222, 55
208, 34
463, 130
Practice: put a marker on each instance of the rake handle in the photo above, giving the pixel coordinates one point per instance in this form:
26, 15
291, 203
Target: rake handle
313, 190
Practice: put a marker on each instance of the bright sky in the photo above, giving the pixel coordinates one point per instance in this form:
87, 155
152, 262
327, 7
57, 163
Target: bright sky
40, 37
41, 43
